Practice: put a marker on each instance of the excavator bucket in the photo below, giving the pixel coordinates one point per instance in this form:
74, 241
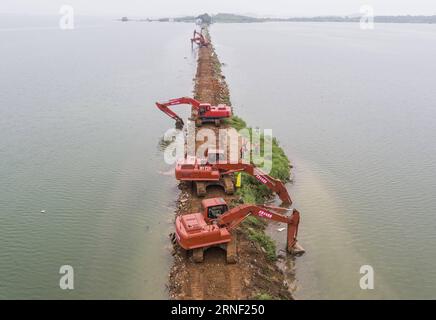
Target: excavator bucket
274, 184
179, 124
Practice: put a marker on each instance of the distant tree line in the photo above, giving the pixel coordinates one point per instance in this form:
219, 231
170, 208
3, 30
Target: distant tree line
234, 18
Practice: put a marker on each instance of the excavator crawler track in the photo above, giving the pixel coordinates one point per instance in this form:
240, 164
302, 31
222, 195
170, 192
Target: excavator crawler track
198, 255
201, 188
232, 251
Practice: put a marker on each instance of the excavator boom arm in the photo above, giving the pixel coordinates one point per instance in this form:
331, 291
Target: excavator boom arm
164, 106
235, 216
273, 184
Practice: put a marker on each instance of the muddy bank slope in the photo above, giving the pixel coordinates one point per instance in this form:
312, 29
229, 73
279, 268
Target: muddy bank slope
254, 275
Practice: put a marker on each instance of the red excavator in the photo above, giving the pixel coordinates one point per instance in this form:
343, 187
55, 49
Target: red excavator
203, 112
214, 224
204, 173
199, 39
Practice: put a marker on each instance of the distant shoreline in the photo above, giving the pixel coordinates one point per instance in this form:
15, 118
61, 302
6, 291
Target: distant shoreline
232, 18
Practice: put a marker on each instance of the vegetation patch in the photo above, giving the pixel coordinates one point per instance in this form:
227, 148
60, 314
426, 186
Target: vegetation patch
264, 296
251, 190
236, 122
264, 241
253, 222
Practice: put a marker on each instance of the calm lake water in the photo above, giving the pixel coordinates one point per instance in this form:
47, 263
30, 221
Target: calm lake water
80, 139
356, 112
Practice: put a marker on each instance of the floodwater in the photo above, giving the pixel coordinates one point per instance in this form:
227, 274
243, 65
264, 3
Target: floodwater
80, 139
355, 111
81, 164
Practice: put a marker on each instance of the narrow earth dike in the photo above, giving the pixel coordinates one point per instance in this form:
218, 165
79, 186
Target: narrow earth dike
256, 274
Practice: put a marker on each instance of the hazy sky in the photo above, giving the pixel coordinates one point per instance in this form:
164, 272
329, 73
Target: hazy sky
154, 8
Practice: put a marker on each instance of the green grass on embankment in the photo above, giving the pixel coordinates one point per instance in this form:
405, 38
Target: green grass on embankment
264, 296
264, 241
252, 191
254, 229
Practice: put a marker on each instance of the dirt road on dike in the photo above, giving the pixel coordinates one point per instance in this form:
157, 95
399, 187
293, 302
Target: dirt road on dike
253, 274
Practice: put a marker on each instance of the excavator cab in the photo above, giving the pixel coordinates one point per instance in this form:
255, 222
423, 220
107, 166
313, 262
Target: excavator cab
213, 208
216, 211
203, 108
215, 155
